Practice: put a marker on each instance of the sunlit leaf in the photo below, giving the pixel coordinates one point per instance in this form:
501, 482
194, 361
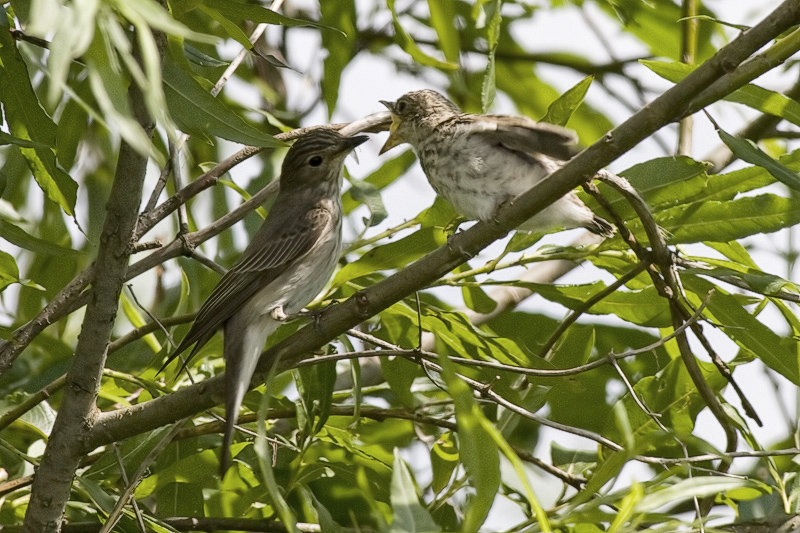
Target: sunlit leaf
197, 112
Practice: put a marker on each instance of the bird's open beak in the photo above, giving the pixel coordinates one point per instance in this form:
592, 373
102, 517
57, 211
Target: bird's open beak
393, 139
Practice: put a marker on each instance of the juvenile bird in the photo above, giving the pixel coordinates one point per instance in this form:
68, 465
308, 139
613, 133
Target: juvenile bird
479, 162
288, 262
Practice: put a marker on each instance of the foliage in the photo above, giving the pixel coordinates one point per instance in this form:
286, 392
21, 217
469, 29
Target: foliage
444, 410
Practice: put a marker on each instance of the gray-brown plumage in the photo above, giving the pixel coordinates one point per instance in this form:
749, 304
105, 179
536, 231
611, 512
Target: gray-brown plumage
479, 162
288, 262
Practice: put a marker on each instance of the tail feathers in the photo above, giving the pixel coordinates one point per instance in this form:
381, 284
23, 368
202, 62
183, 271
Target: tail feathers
244, 342
600, 226
198, 343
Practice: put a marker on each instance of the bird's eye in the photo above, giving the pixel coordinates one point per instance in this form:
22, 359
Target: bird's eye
315, 161
401, 106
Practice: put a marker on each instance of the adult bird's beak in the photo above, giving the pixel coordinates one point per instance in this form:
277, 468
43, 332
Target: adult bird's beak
393, 139
349, 143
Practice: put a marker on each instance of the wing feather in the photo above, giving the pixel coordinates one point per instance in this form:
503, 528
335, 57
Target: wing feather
270, 252
522, 134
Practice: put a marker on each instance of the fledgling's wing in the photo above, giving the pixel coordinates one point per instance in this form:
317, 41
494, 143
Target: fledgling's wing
525, 135
278, 243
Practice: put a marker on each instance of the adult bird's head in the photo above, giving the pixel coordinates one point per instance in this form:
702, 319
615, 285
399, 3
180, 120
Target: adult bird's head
415, 112
316, 158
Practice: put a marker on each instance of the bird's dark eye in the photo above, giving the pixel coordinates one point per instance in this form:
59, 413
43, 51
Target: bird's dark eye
401, 106
315, 161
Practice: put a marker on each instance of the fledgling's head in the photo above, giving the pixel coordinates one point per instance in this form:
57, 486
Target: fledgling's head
317, 157
414, 113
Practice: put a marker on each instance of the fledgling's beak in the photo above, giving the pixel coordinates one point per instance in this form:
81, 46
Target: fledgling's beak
393, 139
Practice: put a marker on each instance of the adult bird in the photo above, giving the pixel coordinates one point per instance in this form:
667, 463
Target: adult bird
287, 263
480, 162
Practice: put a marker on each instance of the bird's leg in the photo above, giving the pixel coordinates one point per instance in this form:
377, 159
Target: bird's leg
507, 201
314, 314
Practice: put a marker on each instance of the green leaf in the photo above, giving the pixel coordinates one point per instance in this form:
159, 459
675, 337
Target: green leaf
315, 385
747, 150
19, 237
752, 278
766, 101
492, 37
728, 220
5, 138
384, 176
242, 11
28, 121
751, 95
393, 255
9, 271
778, 353
476, 298
369, 195
444, 460
664, 182
644, 307
341, 47
196, 56
410, 47
443, 19
696, 487
409, 515
197, 112
477, 449
656, 25
560, 110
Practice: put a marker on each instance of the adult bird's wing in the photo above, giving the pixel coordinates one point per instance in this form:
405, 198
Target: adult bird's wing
522, 134
273, 248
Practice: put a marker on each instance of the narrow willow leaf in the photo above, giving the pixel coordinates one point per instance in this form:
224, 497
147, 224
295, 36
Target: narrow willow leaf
747, 150
751, 95
476, 447
19, 237
488, 87
134, 316
443, 17
410, 47
196, 56
778, 353
562, 108
316, 386
341, 46
370, 196
644, 307
197, 112
5, 138
28, 121
393, 255
729, 220
243, 11
695, 487
409, 514
444, 460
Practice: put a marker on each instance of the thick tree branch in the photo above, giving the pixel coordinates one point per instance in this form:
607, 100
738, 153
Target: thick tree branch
65, 447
